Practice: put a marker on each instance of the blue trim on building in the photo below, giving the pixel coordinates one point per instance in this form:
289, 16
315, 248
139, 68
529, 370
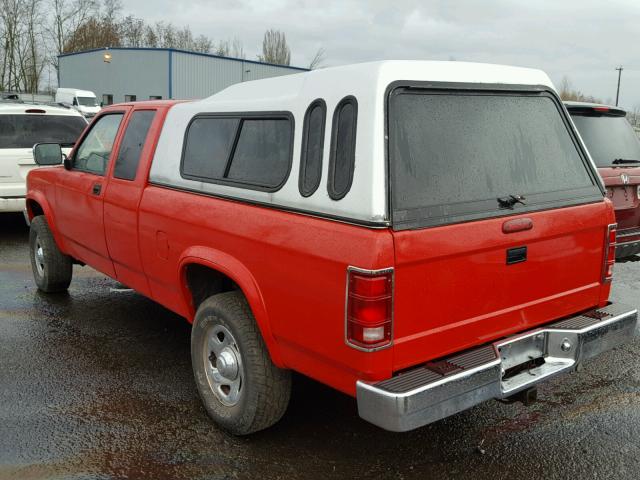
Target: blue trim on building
170, 74
171, 50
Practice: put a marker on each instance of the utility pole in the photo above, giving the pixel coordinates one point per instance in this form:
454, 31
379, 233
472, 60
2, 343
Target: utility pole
619, 69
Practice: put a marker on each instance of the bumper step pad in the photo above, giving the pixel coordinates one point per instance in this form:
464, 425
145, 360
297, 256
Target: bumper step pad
444, 387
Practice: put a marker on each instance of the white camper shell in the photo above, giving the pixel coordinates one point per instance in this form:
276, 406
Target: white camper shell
366, 87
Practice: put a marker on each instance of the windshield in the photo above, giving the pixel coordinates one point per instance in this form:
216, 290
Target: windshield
87, 101
453, 155
608, 138
24, 131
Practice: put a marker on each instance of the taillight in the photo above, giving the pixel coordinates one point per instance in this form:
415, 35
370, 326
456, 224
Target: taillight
369, 309
609, 253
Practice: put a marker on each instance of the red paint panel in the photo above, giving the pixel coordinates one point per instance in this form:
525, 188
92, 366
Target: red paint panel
455, 290
121, 202
298, 264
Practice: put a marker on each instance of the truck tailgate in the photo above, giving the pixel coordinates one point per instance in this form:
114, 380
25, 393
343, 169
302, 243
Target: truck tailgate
454, 287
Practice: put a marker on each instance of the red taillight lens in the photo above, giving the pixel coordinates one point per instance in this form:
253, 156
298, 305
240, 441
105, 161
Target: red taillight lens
609, 254
369, 308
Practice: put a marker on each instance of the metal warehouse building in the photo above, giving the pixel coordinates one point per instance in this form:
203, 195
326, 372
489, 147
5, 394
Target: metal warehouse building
130, 74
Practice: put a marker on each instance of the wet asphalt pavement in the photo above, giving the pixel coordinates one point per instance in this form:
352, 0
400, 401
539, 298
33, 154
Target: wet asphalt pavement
97, 384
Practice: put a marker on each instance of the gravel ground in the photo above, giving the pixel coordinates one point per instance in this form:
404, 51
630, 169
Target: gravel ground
97, 384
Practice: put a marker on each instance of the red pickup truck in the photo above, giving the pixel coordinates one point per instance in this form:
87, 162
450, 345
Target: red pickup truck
423, 236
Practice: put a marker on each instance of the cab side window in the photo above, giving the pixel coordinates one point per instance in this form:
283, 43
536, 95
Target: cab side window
132, 144
93, 153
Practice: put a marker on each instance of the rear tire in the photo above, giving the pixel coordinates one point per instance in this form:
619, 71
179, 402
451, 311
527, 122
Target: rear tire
241, 388
52, 269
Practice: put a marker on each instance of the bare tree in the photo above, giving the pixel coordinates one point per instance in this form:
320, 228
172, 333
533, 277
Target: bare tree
318, 59
94, 33
202, 44
132, 32
166, 34
567, 92
150, 37
634, 115
184, 39
10, 14
111, 10
33, 33
237, 50
31, 58
223, 48
233, 48
67, 16
275, 49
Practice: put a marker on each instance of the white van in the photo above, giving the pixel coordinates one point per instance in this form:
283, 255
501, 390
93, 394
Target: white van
21, 126
84, 101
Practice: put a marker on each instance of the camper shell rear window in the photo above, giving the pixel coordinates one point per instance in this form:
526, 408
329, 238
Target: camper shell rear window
459, 154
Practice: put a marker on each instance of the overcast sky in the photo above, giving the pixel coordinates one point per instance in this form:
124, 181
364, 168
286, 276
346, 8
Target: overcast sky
582, 39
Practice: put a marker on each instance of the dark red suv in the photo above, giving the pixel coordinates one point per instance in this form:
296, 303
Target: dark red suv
615, 149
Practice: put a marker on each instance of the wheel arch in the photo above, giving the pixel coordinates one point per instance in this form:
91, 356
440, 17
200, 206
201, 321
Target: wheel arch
240, 275
37, 204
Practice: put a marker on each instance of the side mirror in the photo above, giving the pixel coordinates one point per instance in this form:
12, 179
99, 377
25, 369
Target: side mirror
67, 162
47, 153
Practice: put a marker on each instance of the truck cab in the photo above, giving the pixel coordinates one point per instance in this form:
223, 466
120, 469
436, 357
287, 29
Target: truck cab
422, 236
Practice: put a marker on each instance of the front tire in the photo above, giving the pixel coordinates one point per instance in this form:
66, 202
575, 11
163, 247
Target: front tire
241, 388
52, 269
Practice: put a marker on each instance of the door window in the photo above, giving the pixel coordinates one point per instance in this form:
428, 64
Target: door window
132, 144
93, 153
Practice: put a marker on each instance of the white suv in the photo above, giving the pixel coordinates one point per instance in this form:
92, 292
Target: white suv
21, 126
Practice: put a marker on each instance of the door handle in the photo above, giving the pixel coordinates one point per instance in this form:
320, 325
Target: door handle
516, 255
97, 188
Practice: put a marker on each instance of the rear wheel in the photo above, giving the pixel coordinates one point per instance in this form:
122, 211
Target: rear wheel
241, 388
52, 269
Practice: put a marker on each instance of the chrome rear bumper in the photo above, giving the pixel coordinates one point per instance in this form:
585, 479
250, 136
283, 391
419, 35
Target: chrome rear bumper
441, 388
